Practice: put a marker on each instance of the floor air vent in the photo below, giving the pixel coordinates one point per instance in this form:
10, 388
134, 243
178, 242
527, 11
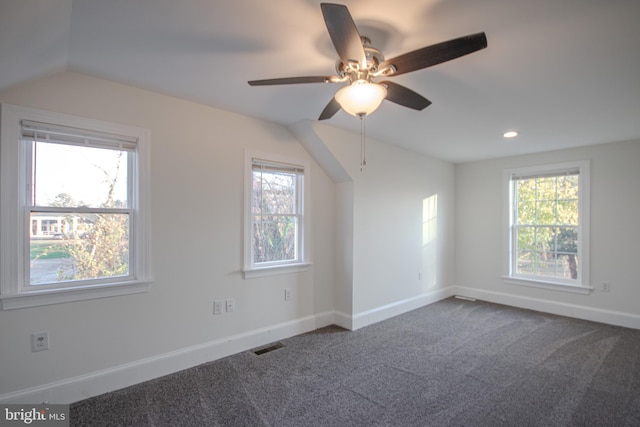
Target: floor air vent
264, 350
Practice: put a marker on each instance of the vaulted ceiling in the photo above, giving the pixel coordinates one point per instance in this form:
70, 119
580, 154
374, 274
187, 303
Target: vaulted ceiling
564, 73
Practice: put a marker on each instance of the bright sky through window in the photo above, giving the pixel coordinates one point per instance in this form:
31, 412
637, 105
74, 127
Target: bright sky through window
81, 172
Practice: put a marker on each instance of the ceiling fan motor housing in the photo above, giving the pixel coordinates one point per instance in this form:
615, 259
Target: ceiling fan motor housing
353, 71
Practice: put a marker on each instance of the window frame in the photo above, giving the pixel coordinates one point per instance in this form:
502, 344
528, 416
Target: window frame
582, 284
302, 262
15, 225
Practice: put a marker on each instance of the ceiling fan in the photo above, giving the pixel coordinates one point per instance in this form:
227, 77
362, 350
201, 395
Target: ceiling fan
362, 65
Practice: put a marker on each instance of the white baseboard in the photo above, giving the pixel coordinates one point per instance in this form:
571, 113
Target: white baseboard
388, 311
609, 317
84, 386
99, 382
343, 320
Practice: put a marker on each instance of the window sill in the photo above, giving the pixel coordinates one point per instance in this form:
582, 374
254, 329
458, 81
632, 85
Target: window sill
250, 273
554, 286
58, 296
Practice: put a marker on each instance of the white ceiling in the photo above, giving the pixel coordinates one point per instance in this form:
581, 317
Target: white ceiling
564, 73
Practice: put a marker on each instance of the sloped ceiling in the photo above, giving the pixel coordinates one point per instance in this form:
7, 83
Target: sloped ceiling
564, 73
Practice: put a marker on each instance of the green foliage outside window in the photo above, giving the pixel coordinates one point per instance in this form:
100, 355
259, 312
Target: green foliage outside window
546, 222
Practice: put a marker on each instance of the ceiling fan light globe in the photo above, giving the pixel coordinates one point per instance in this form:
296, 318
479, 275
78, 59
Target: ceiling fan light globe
361, 98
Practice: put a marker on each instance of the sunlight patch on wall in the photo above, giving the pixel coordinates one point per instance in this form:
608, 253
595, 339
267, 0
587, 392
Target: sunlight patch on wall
429, 239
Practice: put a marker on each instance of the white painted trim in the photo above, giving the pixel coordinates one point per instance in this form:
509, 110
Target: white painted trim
103, 381
250, 270
561, 287
57, 296
343, 320
252, 273
610, 317
388, 311
582, 284
322, 319
95, 383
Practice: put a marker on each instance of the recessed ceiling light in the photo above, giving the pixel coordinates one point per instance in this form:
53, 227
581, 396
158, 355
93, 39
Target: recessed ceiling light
510, 134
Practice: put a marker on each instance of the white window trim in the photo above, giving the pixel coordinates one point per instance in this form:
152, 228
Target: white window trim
13, 294
584, 287
249, 270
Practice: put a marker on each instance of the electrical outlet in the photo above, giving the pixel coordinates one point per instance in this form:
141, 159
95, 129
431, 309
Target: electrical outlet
288, 294
606, 287
40, 341
230, 305
217, 306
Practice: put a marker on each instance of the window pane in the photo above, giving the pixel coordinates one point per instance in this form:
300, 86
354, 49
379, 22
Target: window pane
546, 212
73, 176
544, 238
526, 189
78, 246
547, 265
570, 266
526, 238
526, 212
568, 212
568, 187
274, 238
525, 262
566, 246
274, 193
256, 193
546, 188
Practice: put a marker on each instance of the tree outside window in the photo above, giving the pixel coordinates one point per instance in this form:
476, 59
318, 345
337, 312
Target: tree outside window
276, 189
276, 209
91, 238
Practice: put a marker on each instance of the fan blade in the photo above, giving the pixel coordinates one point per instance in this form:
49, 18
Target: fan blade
294, 80
330, 110
405, 96
436, 54
343, 33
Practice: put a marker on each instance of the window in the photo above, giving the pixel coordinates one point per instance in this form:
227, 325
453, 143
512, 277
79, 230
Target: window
76, 197
274, 223
548, 226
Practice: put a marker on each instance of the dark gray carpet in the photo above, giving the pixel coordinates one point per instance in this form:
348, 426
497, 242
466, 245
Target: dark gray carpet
453, 363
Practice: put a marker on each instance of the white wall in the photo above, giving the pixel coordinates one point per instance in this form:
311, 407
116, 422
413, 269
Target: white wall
389, 269
615, 233
197, 202
389, 228
343, 234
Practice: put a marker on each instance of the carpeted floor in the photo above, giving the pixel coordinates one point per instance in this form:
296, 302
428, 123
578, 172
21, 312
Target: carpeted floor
453, 363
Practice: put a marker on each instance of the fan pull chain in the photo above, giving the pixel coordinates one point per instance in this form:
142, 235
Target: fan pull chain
363, 138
